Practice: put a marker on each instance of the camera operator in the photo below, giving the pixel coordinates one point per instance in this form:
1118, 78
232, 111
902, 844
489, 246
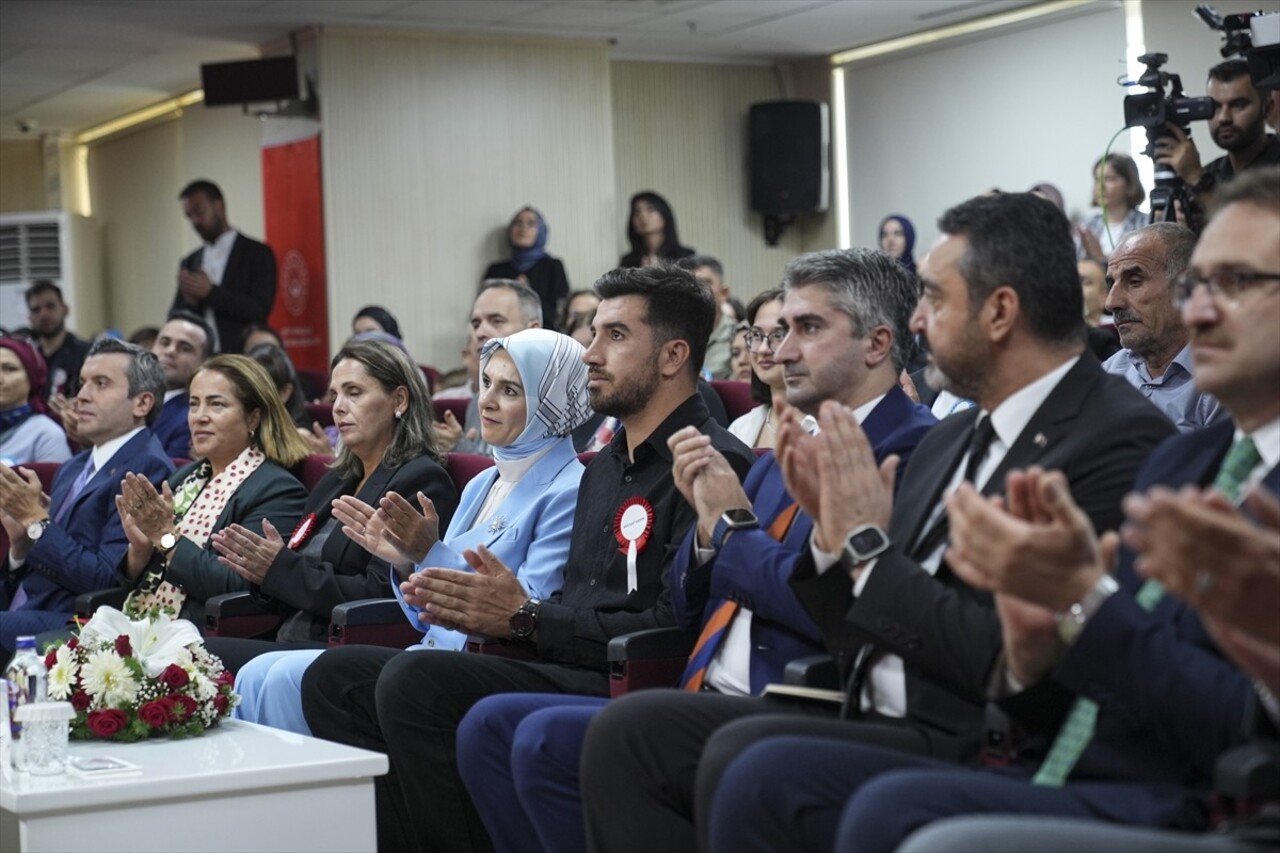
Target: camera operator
1237, 126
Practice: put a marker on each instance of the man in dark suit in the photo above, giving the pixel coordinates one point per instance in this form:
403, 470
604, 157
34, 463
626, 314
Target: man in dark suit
183, 343
1002, 312
848, 311
73, 544
1121, 701
230, 280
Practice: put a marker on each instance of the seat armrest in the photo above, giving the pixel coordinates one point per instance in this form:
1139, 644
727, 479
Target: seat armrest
88, 602
651, 643
815, 671
238, 614
371, 622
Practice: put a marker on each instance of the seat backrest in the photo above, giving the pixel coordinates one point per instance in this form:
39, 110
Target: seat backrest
586, 456
315, 467
457, 405
321, 413
46, 471
735, 395
432, 376
463, 466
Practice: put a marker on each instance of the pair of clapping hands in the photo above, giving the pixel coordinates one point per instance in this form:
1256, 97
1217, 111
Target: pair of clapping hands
479, 602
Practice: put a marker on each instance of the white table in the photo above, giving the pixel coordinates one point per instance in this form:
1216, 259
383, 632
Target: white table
240, 787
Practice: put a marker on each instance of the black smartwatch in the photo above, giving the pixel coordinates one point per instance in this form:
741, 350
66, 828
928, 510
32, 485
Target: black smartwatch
734, 519
525, 620
866, 542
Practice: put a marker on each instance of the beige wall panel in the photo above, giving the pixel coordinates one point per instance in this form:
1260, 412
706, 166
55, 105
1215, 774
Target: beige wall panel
21, 176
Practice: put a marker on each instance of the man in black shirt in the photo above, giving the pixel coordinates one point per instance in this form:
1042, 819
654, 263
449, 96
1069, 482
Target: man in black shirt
62, 351
650, 336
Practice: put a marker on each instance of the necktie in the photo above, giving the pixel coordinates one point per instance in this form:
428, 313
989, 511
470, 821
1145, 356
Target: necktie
1081, 722
717, 625
76, 488
979, 443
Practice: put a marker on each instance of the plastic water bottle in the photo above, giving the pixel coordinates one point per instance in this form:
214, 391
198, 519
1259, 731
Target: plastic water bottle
27, 681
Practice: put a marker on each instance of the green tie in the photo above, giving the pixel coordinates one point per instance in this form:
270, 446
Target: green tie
1077, 731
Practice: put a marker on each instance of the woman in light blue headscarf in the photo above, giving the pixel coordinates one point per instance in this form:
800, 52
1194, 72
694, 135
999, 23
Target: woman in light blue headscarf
530, 263
533, 392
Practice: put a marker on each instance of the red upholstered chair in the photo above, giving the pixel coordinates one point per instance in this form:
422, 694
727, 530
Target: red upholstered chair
456, 405
321, 413
645, 659
735, 395
463, 466
238, 614
314, 467
586, 456
431, 375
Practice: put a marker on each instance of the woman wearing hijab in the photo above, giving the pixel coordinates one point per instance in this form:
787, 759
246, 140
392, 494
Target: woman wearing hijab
898, 239
27, 433
375, 318
530, 263
532, 394
651, 231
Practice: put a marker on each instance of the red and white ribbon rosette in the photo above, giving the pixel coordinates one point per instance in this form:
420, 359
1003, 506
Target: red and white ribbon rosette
631, 527
302, 532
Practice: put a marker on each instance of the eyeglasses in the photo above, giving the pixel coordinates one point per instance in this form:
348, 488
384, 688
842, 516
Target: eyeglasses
1228, 284
774, 339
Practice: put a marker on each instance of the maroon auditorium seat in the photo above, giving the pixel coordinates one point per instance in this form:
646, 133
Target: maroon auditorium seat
736, 396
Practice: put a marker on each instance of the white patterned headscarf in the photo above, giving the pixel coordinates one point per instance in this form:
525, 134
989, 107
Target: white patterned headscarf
555, 387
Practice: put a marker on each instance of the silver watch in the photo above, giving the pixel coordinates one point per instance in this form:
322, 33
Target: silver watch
1072, 621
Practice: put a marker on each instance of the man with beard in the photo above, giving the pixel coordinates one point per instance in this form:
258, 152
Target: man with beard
1002, 312
63, 352
230, 280
1156, 358
651, 331
1237, 126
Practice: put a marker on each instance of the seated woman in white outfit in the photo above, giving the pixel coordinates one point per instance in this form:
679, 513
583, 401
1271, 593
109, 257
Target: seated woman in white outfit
532, 394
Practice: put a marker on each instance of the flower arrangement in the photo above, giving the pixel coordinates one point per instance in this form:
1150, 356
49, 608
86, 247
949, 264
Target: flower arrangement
130, 679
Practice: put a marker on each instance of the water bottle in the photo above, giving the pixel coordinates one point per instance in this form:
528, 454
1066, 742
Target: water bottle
27, 681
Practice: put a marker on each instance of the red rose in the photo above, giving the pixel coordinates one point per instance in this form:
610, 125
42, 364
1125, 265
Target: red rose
183, 706
154, 714
220, 703
73, 643
174, 677
123, 647
80, 700
225, 679
108, 722
50, 659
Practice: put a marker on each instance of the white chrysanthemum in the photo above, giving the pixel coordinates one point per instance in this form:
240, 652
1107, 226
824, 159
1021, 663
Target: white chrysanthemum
203, 689
63, 675
108, 680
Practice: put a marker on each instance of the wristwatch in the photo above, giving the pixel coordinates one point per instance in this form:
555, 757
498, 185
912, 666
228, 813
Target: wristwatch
734, 519
36, 529
866, 542
525, 620
1072, 621
168, 542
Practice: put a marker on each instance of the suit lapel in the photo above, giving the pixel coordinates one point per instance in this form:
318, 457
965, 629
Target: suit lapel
928, 475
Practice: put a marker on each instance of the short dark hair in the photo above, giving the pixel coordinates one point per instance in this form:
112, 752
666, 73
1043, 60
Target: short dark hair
530, 302
144, 373
1225, 72
195, 319
1022, 241
693, 262
869, 286
43, 285
203, 185
677, 305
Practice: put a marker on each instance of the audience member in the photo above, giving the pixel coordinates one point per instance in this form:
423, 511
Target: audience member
740, 355
849, 310
651, 328
1050, 193
502, 307
73, 545
579, 326
468, 388
1117, 189
1002, 313
534, 392
579, 303
256, 334
708, 270
231, 279
1156, 358
897, 239
63, 352
375, 318
285, 379
1120, 702
244, 444
530, 263
757, 428
651, 231
1093, 285
381, 409
184, 342
27, 433
144, 336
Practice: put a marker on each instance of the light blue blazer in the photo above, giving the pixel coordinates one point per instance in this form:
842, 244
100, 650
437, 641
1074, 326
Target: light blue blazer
529, 531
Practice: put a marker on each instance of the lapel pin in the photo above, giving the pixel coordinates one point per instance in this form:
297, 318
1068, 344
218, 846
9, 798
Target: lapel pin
1040, 440
498, 524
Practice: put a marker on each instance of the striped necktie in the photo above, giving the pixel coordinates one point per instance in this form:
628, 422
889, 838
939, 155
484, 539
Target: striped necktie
717, 625
1077, 731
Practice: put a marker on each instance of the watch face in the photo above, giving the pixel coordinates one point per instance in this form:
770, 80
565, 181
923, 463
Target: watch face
740, 516
866, 540
36, 529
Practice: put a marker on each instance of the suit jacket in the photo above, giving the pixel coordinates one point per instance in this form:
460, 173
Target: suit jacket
753, 568
1097, 429
171, 428
346, 571
246, 294
80, 553
1169, 703
270, 492
529, 531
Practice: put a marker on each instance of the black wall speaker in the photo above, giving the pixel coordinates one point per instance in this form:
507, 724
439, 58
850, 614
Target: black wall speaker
788, 143
252, 81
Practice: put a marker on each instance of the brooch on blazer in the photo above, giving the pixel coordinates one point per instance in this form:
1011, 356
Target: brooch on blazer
498, 524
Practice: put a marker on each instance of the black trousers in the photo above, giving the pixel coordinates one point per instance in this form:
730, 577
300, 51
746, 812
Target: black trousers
651, 761
408, 705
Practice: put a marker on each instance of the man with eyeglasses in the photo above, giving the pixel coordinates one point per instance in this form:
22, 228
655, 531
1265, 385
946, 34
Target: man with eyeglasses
1156, 358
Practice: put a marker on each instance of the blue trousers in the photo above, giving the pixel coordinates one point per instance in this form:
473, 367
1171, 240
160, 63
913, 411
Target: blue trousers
518, 755
817, 794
